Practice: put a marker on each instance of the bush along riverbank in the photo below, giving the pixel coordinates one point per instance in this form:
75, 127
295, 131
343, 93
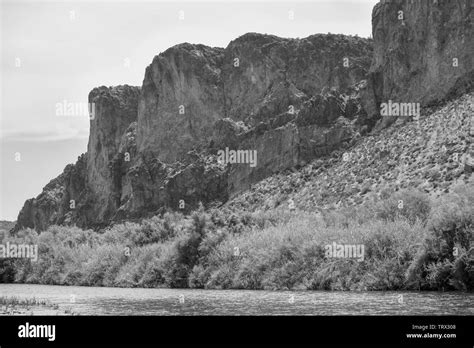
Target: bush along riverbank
31, 306
407, 241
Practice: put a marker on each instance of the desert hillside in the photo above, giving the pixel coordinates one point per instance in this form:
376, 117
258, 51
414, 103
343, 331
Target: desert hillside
430, 155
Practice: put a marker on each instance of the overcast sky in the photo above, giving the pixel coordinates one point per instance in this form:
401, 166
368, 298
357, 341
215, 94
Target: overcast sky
58, 51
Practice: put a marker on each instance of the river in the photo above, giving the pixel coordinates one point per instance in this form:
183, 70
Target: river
137, 301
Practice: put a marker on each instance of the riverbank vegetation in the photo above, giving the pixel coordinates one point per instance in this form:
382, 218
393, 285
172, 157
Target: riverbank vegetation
411, 241
11, 305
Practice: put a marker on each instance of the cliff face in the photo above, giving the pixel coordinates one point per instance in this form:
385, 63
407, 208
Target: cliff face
273, 73
88, 192
181, 99
156, 147
283, 101
115, 110
262, 93
423, 52
255, 79
60, 202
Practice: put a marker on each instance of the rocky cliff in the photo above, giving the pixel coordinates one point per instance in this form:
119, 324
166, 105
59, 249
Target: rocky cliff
57, 203
115, 109
423, 52
155, 147
253, 95
282, 102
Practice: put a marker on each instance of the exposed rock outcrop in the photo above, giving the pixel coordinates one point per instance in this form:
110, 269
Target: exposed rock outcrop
250, 96
181, 99
115, 110
155, 148
88, 192
423, 52
289, 101
61, 202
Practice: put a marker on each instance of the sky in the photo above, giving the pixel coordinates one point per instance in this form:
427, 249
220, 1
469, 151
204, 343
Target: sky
56, 52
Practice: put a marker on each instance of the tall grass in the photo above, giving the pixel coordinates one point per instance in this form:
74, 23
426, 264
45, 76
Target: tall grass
423, 243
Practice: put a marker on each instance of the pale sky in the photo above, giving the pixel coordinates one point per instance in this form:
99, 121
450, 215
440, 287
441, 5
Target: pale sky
53, 52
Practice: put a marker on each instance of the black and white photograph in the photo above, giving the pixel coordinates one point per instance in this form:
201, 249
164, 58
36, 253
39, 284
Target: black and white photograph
167, 161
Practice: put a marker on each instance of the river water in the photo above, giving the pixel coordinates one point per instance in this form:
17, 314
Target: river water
135, 301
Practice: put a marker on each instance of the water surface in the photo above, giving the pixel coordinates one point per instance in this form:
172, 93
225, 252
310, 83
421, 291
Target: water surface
136, 301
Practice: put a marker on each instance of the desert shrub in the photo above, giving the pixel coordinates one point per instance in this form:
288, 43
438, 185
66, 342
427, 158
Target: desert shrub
261, 252
249, 275
72, 236
150, 231
155, 269
452, 219
209, 242
103, 267
172, 223
323, 278
187, 248
339, 218
285, 269
438, 274
198, 277
15, 269
22, 270
218, 217
411, 204
185, 252
131, 273
446, 259
7, 271
57, 251
462, 271
291, 256
119, 233
27, 236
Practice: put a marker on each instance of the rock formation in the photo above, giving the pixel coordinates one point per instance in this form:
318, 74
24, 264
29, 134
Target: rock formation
53, 205
423, 52
155, 148
291, 100
115, 110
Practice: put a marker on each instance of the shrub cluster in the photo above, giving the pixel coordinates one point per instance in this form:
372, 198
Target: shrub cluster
421, 243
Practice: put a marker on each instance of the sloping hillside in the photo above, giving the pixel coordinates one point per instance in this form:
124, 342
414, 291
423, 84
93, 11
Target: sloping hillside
430, 155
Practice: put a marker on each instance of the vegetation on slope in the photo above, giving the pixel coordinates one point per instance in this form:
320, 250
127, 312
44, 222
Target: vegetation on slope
430, 155
424, 243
